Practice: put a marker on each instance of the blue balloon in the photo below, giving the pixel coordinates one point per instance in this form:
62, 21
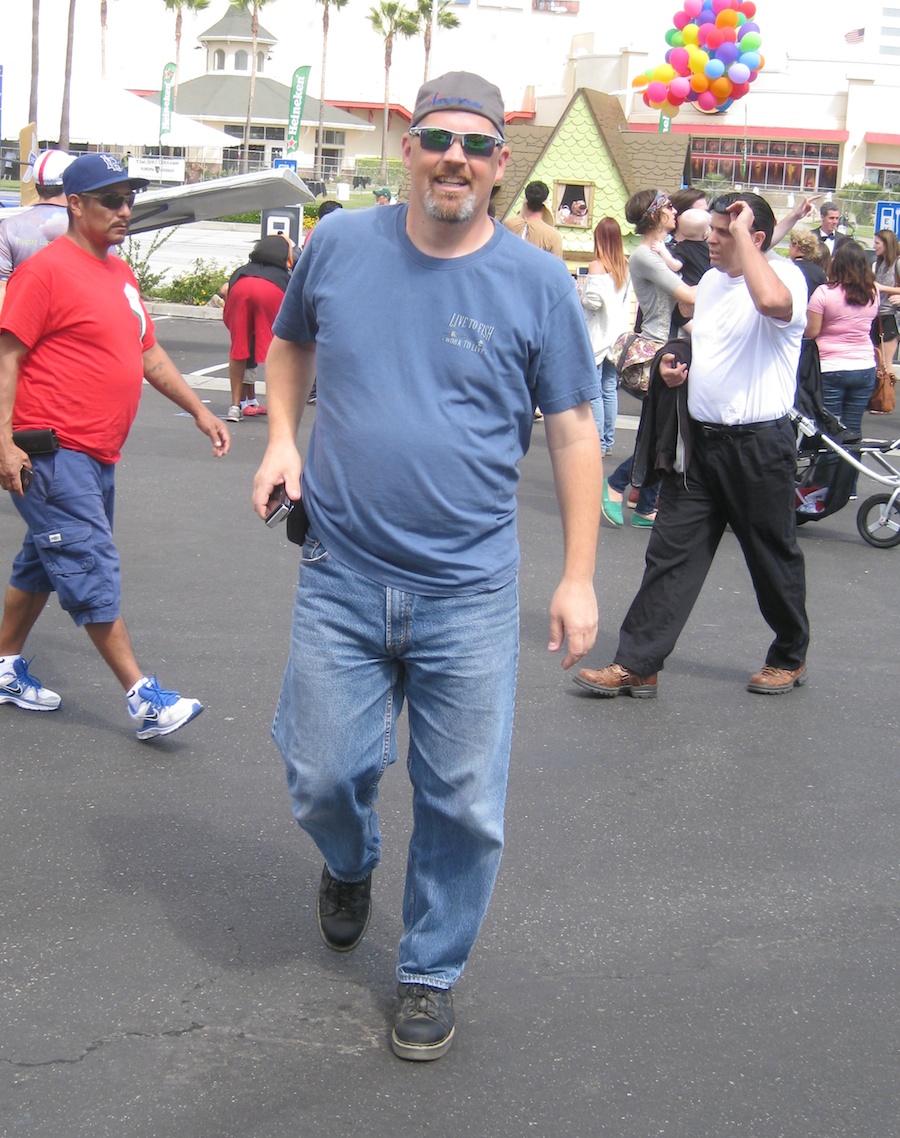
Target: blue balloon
750, 60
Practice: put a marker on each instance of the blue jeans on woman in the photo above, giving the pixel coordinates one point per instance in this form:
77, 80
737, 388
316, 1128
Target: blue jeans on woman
846, 395
620, 480
606, 407
358, 650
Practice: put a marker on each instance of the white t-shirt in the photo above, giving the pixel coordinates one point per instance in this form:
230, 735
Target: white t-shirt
744, 365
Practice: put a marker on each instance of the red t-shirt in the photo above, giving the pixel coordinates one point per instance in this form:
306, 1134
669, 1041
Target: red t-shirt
86, 330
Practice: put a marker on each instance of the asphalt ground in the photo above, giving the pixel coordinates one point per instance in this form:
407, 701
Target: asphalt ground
695, 929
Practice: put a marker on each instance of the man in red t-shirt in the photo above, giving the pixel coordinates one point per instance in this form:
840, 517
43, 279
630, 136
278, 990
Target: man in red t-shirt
76, 344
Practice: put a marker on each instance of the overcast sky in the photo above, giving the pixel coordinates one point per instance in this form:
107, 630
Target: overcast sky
513, 48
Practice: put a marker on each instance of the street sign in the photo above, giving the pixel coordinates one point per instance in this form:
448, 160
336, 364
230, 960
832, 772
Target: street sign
285, 164
887, 216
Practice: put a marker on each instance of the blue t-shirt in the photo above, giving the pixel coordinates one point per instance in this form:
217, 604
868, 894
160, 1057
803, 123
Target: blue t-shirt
428, 372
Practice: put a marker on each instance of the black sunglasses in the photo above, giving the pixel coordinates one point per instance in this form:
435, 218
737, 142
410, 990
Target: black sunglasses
475, 145
112, 201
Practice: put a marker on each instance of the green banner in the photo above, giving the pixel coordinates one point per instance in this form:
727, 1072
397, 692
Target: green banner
295, 111
165, 99
665, 124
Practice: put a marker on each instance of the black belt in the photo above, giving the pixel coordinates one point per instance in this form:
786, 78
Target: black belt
721, 431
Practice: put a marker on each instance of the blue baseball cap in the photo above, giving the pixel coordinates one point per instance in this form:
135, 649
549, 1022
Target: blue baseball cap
95, 172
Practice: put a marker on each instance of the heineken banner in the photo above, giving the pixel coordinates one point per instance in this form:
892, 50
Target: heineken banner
295, 111
165, 99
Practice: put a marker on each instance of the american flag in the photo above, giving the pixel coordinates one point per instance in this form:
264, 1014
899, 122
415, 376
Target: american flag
856, 36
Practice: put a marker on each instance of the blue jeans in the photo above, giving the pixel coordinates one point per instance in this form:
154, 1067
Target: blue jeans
358, 650
846, 394
606, 407
620, 480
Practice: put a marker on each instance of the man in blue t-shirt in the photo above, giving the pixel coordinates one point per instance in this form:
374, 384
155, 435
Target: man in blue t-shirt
433, 333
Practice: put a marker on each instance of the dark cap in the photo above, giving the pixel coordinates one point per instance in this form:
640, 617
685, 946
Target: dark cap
95, 172
460, 91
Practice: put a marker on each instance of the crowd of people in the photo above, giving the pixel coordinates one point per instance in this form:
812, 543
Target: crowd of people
405, 503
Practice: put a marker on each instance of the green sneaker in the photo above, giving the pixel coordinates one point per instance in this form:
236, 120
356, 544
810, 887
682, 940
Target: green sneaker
612, 511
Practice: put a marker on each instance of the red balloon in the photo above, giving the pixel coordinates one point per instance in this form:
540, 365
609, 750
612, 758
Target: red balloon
749, 9
739, 90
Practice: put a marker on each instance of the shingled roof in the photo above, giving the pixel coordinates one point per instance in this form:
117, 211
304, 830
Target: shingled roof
222, 97
641, 159
236, 25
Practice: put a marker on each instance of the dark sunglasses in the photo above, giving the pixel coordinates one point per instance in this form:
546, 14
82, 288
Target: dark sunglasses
475, 145
112, 201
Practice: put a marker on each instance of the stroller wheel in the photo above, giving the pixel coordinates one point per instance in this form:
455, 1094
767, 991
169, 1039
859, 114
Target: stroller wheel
878, 521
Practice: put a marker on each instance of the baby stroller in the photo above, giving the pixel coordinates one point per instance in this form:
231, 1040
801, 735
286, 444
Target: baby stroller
829, 457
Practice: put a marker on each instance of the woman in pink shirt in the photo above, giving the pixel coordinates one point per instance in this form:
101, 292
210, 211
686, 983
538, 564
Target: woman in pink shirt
839, 319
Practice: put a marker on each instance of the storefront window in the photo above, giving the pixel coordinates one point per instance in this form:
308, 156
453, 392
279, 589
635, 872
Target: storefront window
773, 163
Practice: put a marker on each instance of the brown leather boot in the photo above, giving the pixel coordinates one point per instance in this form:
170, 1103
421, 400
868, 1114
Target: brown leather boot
770, 680
616, 680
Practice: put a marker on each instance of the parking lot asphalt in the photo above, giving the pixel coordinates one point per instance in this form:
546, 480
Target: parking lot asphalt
695, 929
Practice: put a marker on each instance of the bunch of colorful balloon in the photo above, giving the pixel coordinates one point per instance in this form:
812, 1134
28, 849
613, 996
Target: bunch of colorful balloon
713, 57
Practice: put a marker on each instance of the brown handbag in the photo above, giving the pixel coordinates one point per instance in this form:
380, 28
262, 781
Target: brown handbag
883, 399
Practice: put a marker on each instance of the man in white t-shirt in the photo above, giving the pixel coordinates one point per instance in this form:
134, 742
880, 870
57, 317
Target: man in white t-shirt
748, 324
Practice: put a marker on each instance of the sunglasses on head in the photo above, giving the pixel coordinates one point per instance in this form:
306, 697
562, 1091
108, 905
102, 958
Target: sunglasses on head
438, 140
112, 200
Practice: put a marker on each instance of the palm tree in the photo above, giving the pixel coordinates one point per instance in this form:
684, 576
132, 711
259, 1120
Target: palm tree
178, 6
445, 19
67, 79
103, 11
252, 6
326, 5
35, 57
390, 19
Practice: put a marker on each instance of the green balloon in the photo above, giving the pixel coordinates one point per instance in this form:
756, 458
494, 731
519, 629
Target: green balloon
752, 41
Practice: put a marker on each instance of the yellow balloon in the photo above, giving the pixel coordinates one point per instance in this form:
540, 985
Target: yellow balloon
664, 73
669, 111
690, 34
698, 62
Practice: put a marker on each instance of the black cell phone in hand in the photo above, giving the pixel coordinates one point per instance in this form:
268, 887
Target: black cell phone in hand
26, 475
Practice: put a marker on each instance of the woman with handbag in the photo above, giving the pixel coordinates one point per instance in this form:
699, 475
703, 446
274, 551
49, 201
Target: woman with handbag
603, 299
839, 318
885, 334
658, 290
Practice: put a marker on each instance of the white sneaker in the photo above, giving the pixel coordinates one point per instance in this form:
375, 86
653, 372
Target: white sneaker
18, 686
158, 712
234, 414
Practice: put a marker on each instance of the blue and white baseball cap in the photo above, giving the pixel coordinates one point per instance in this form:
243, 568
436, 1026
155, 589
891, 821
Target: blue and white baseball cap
96, 171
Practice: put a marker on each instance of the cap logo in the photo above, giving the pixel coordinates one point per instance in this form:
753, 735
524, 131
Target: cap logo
456, 100
113, 163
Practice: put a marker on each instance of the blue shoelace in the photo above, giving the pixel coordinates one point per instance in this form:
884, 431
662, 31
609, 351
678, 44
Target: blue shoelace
156, 696
26, 679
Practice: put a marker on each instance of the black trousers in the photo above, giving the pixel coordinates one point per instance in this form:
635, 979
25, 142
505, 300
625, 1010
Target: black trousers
746, 481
